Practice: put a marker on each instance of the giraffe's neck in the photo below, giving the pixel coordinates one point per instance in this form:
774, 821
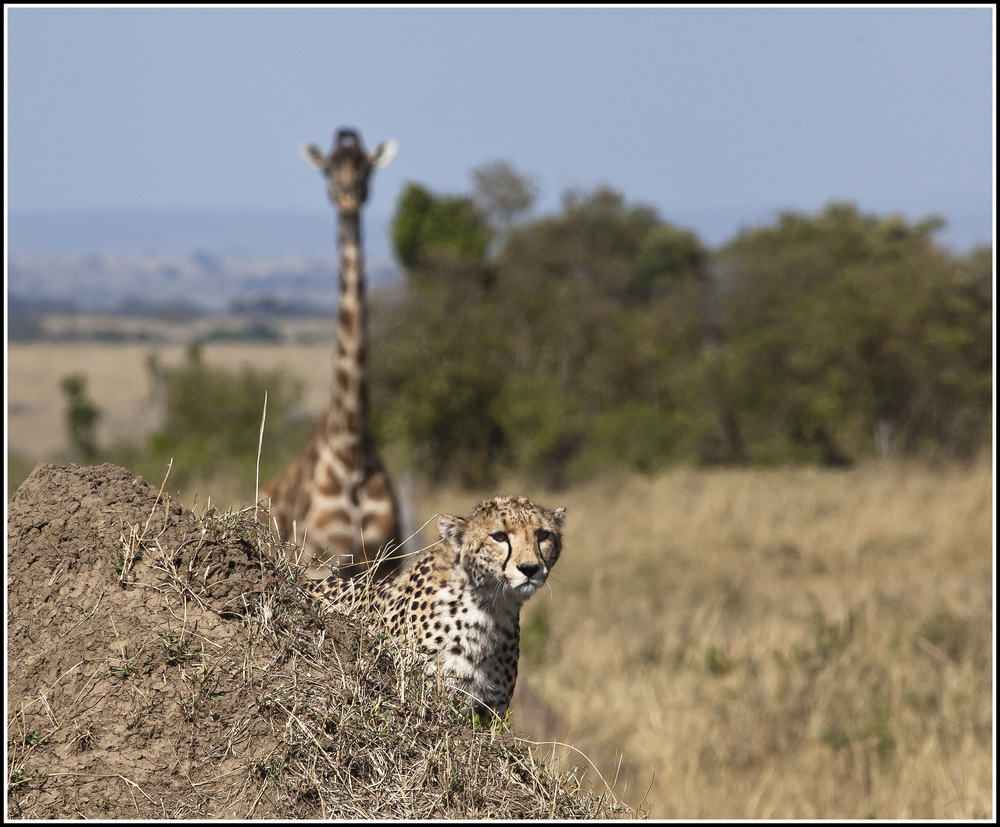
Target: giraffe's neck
347, 417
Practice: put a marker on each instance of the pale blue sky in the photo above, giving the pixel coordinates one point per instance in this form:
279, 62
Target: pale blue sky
697, 112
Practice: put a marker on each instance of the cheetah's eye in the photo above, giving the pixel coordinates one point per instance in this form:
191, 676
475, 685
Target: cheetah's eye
499, 536
543, 534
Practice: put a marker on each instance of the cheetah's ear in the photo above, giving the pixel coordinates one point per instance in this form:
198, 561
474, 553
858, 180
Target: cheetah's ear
313, 155
558, 516
452, 530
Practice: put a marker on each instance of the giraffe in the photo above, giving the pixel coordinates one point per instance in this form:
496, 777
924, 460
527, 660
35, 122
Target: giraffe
336, 499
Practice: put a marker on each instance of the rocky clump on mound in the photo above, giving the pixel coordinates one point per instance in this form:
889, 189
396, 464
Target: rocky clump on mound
159, 666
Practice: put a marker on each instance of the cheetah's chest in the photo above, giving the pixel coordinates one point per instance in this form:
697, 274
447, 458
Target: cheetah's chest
476, 645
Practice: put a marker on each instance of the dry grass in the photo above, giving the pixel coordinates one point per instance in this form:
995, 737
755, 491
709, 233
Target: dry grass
362, 731
777, 644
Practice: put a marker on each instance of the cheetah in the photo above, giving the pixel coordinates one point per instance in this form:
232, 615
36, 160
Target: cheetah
460, 599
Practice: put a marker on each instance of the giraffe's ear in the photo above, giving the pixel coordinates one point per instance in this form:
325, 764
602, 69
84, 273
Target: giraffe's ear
383, 154
313, 155
452, 530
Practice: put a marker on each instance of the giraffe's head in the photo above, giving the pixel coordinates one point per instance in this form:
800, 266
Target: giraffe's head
347, 168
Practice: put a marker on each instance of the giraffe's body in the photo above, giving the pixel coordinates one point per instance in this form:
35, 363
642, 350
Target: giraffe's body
336, 500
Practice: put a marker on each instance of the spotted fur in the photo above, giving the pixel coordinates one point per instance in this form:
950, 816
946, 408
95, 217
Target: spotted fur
461, 598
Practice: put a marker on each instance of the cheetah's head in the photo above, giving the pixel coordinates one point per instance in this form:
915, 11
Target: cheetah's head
508, 543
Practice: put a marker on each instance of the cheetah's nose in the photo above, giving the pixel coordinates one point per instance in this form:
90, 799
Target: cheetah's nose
528, 569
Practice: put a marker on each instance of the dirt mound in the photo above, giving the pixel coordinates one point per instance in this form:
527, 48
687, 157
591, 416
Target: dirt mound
159, 666
113, 594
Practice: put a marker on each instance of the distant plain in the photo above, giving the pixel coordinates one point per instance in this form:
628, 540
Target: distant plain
118, 379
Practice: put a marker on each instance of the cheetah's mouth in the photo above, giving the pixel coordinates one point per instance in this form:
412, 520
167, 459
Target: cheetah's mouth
527, 585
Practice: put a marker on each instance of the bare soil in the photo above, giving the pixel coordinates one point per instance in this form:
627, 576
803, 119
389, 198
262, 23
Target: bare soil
109, 724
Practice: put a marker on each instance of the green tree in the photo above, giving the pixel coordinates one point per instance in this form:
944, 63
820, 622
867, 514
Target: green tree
502, 194
846, 334
212, 416
435, 377
81, 416
433, 374
603, 335
605, 300
425, 224
523, 360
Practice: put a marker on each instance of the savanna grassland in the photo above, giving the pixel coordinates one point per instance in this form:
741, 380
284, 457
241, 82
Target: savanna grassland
777, 643
748, 643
